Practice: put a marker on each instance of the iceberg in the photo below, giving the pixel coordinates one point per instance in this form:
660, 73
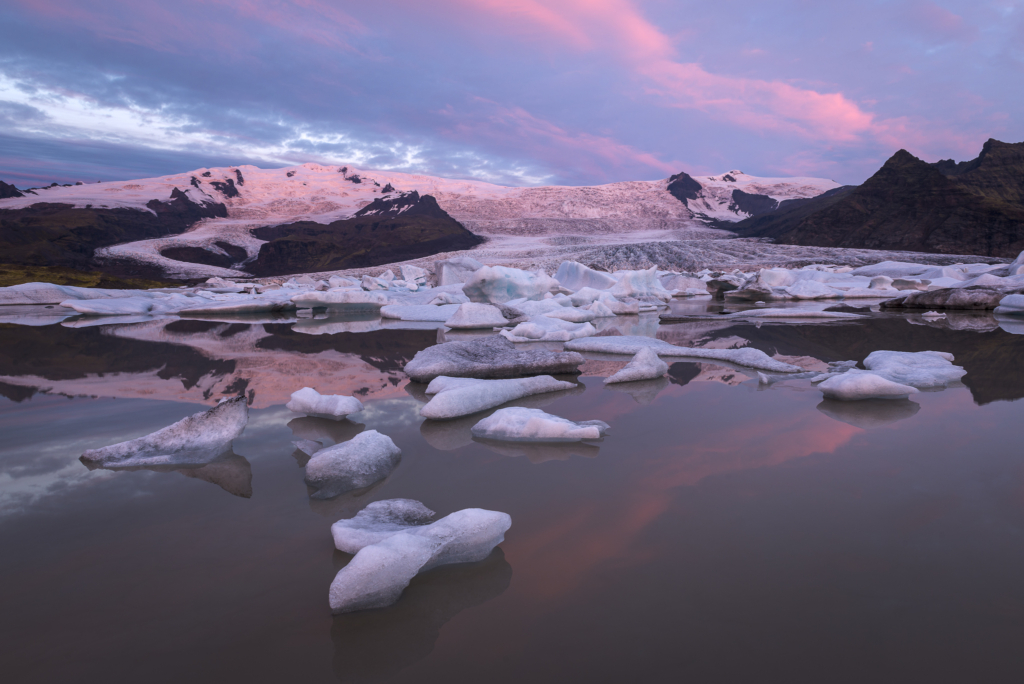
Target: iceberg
645, 365
200, 438
575, 276
455, 271
419, 312
393, 540
307, 400
366, 458
499, 284
630, 344
923, 370
342, 299
1011, 305
854, 385
454, 397
640, 284
533, 425
547, 329
473, 315
47, 293
488, 357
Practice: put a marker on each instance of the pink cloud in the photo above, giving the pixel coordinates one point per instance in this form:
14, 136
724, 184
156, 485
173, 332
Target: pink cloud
938, 23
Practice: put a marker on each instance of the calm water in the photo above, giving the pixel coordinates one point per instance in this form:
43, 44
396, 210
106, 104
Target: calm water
723, 532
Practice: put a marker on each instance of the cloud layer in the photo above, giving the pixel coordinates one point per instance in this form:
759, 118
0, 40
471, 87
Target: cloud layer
511, 91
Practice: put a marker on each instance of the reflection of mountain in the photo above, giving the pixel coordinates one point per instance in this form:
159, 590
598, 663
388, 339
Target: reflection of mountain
375, 645
196, 360
229, 471
994, 360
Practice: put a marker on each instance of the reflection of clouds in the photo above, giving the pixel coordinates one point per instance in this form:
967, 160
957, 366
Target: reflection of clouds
384, 414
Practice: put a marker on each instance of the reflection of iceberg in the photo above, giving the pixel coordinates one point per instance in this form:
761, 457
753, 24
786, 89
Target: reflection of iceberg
643, 391
347, 504
869, 413
229, 471
538, 452
1011, 324
373, 646
321, 429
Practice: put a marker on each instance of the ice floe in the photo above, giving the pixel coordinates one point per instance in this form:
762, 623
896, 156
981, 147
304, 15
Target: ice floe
394, 540
575, 276
533, 425
343, 299
366, 458
645, 365
473, 315
498, 285
855, 385
548, 329
454, 397
199, 438
307, 400
1011, 305
923, 370
419, 312
629, 344
488, 357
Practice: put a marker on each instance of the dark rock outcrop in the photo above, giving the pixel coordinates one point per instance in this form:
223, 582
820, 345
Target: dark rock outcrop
7, 191
683, 187
976, 298
227, 188
752, 204
404, 227
974, 207
47, 234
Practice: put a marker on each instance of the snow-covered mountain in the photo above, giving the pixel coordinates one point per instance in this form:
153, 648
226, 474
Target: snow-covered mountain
619, 213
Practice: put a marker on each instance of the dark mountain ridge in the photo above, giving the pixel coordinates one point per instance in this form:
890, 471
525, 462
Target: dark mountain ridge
974, 207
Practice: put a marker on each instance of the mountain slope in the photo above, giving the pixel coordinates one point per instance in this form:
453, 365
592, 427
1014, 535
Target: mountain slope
973, 207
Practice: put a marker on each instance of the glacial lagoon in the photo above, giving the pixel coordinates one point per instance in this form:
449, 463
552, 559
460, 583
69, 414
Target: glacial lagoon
725, 530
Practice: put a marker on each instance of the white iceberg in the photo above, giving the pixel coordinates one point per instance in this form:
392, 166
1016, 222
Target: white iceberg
454, 397
547, 329
471, 315
1011, 305
342, 299
499, 284
575, 276
393, 540
636, 284
307, 400
200, 438
366, 458
419, 312
48, 293
632, 344
533, 425
923, 370
854, 385
456, 270
645, 365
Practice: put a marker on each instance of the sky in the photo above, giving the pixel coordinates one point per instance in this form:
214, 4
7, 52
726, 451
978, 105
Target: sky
517, 92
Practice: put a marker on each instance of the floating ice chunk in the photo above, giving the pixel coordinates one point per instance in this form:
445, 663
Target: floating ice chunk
488, 357
575, 276
1011, 305
854, 385
640, 284
499, 284
585, 296
200, 438
338, 282
629, 344
307, 400
892, 269
572, 314
811, 289
370, 283
414, 274
442, 298
601, 310
472, 315
342, 300
684, 285
933, 315
881, 283
547, 329
645, 365
125, 306
47, 293
457, 270
419, 312
533, 425
1017, 267
923, 370
948, 298
618, 307
454, 397
393, 542
366, 458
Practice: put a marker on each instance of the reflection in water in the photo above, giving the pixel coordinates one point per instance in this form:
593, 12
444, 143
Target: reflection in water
643, 391
324, 429
375, 645
539, 452
229, 471
869, 413
346, 504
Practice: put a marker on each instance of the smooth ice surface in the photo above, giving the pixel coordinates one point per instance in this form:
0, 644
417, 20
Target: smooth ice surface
1011, 305
855, 385
488, 357
575, 276
923, 370
645, 365
547, 329
533, 425
454, 397
393, 541
366, 458
473, 315
419, 312
630, 344
307, 400
643, 283
343, 299
200, 438
499, 284
47, 293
